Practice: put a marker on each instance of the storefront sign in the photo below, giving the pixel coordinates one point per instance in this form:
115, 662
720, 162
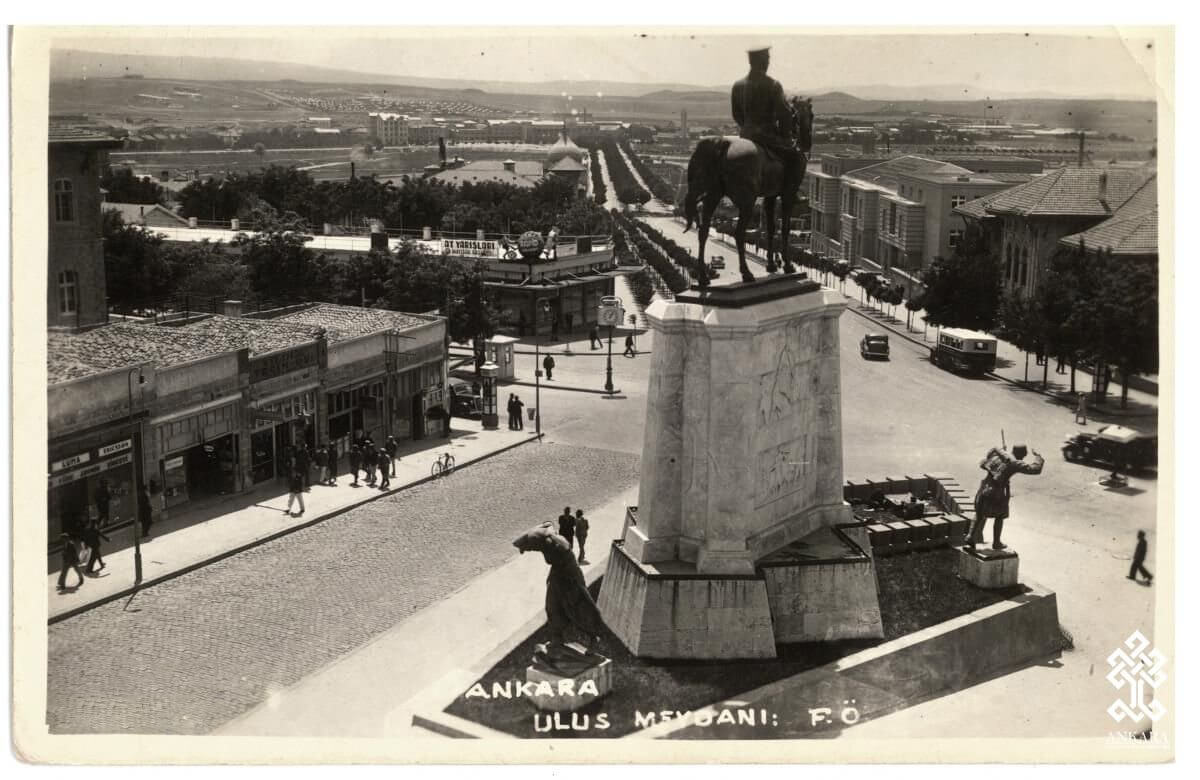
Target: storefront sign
115, 447
88, 471
262, 415
462, 247
67, 463
173, 463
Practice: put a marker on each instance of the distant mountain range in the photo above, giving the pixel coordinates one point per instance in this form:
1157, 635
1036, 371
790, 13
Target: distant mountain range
74, 64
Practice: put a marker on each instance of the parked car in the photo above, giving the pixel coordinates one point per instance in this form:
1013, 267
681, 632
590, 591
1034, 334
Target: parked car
1120, 447
874, 345
464, 400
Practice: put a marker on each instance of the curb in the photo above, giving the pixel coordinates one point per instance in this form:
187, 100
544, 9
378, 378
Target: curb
544, 385
270, 538
1018, 383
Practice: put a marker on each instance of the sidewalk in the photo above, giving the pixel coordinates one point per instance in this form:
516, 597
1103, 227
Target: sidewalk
420, 664
1010, 360
191, 539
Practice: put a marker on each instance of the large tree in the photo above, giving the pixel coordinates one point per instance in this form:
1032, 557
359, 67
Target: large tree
136, 268
123, 187
964, 290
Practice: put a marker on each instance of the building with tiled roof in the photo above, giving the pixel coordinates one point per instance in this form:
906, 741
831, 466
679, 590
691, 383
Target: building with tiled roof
1132, 230
147, 215
348, 322
524, 173
1024, 225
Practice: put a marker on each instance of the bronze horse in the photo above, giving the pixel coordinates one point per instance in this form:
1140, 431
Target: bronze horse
737, 168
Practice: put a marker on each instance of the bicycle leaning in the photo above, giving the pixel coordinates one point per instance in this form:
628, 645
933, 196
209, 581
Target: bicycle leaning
443, 465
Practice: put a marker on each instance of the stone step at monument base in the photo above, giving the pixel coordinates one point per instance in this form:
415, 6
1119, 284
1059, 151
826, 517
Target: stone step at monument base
988, 568
822, 588
819, 588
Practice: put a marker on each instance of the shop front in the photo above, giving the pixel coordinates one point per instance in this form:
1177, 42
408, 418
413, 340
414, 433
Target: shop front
354, 412
80, 475
279, 425
414, 393
198, 451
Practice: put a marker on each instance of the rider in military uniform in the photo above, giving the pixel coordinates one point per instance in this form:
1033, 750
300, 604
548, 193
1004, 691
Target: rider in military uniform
762, 113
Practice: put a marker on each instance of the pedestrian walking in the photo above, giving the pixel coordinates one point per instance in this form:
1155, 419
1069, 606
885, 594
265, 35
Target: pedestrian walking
145, 514
385, 472
91, 537
70, 561
570, 322
566, 527
519, 411
295, 492
369, 458
103, 499
1139, 560
594, 335
548, 364
1081, 409
391, 445
1061, 368
321, 461
355, 462
630, 351
303, 460
581, 532
554, 327
332, 451
512, 412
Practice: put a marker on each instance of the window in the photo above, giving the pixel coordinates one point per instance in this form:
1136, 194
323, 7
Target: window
955, 237
921, 195
956, 201
64, 201
68, 298
892, 218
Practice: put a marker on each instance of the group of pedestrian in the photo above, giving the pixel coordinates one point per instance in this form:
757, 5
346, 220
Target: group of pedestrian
372, 460
574, 527
363, 455
516, 415
596, 343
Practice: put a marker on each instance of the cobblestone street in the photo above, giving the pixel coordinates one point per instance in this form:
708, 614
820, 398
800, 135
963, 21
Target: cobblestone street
194, 652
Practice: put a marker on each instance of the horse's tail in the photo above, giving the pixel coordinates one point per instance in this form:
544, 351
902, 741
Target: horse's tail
703, 176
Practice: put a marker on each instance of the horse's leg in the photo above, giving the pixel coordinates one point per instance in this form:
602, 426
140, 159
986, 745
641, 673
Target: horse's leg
706, 215
769, 209
739, 233
788, 199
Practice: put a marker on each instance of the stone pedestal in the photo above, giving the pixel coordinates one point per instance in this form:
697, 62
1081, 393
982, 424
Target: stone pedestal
572, 686
742, 456
988, 568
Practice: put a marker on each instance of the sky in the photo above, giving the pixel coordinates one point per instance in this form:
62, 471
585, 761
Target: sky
1091, 63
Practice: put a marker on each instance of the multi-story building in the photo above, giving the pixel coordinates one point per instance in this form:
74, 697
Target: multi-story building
76, 288
896, 214
391, 129
1023, 225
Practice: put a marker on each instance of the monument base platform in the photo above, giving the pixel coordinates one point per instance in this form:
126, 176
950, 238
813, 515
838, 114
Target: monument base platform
822, 588
984, 567
819, 588
572, 686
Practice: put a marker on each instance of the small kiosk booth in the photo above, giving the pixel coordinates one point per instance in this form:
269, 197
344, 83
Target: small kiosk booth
501, 351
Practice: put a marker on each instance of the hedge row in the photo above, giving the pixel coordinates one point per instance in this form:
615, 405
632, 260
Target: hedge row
599, 191
652, 254
663, 191
627, 188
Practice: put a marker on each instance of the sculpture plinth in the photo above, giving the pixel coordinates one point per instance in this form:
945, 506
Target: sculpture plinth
987, 568
742, 456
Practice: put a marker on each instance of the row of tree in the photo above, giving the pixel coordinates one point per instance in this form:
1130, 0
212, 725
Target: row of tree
651, 253
624, 184
661, 189
414, 203
599, 190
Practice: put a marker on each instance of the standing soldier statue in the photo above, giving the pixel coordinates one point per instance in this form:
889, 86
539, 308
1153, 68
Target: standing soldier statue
763, 116
992, 498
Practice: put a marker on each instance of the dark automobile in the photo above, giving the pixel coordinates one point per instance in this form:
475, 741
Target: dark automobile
464, 400
874, 345
1114, 445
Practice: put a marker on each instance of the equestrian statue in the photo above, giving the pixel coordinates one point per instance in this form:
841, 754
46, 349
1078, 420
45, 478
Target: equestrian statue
766, 160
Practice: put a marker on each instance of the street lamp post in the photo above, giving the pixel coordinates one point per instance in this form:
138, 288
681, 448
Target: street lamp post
608, 385
137, 481
537, 373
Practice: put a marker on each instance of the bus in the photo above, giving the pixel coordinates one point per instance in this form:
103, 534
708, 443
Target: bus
967, 351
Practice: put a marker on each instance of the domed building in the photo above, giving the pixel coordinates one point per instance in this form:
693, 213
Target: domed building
568, 161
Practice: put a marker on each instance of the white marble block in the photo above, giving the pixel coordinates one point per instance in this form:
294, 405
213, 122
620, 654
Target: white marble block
988, 568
